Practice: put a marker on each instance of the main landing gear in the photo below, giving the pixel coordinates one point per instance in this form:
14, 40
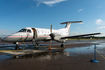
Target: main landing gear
62, 45
35, 43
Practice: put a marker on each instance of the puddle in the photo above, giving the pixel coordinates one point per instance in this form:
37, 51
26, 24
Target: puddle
4, 57
86, 50
80, 50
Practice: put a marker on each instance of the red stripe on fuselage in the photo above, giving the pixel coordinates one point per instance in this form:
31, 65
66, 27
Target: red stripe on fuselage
26, 36
19, 36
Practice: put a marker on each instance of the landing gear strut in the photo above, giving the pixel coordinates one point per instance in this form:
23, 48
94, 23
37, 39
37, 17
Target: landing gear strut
35, 43
17, 46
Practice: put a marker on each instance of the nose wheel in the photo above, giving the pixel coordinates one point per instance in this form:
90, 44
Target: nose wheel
17, 46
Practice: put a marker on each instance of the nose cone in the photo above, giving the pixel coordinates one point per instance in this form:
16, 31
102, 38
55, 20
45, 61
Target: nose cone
12, 38
5, 39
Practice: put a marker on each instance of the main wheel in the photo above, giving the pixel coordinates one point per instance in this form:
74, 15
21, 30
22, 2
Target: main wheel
62, 45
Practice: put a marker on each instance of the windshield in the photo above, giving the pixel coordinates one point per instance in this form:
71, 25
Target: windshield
23, 30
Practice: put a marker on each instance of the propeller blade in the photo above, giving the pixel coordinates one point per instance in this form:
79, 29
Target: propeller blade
51, 34
51, 29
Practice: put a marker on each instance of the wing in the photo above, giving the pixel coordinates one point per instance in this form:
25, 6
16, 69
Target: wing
80, 35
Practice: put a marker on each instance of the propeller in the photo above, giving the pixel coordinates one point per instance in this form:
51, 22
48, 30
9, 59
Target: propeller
51, 29
51, 34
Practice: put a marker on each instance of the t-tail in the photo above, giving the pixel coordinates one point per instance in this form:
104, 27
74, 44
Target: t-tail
67, 27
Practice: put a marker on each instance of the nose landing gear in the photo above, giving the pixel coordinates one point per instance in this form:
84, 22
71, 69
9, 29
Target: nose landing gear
17, 46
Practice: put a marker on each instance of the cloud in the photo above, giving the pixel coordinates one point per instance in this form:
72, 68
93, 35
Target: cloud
101, 27
80, 10
38, 3
5, 32
77, 27
80, 23
48, 2
99, 22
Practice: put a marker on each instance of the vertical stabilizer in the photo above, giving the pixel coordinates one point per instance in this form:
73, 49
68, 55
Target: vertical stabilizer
67, 27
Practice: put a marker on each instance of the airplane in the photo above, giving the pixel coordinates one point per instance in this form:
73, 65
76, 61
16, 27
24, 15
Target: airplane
34, 35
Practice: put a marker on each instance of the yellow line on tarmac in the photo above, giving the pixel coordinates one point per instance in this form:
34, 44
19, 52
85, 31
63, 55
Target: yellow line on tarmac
22, 49
101, 54
10, 50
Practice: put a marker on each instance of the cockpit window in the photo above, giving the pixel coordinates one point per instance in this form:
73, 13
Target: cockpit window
23, 30
29, 31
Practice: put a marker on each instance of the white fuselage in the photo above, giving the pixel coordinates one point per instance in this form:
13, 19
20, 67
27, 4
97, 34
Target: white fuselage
40, 34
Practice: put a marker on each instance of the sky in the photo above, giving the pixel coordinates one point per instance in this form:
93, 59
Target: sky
17, 14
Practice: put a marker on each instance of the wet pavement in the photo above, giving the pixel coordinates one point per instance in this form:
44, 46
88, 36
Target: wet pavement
76, 56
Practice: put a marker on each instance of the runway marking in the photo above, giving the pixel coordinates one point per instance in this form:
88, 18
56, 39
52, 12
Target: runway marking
101, 54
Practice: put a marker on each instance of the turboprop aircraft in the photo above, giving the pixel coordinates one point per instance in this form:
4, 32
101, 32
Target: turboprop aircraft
34, 35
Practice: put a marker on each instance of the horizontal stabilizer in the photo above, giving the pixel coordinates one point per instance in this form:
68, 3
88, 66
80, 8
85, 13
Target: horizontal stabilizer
72, 22
80, 35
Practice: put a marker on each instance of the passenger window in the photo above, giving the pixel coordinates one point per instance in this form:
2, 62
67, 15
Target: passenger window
29, 31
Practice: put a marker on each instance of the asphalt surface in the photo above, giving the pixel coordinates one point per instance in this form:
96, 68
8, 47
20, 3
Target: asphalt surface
76, 56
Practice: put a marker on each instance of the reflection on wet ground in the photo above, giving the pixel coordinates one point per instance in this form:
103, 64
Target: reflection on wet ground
41, 56
80, 50
86, 49
4, 57
44, 55
71, 52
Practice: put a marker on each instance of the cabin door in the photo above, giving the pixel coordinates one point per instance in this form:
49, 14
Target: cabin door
34, 33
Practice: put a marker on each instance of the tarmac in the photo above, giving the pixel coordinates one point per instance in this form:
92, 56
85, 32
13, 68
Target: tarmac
75, 56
